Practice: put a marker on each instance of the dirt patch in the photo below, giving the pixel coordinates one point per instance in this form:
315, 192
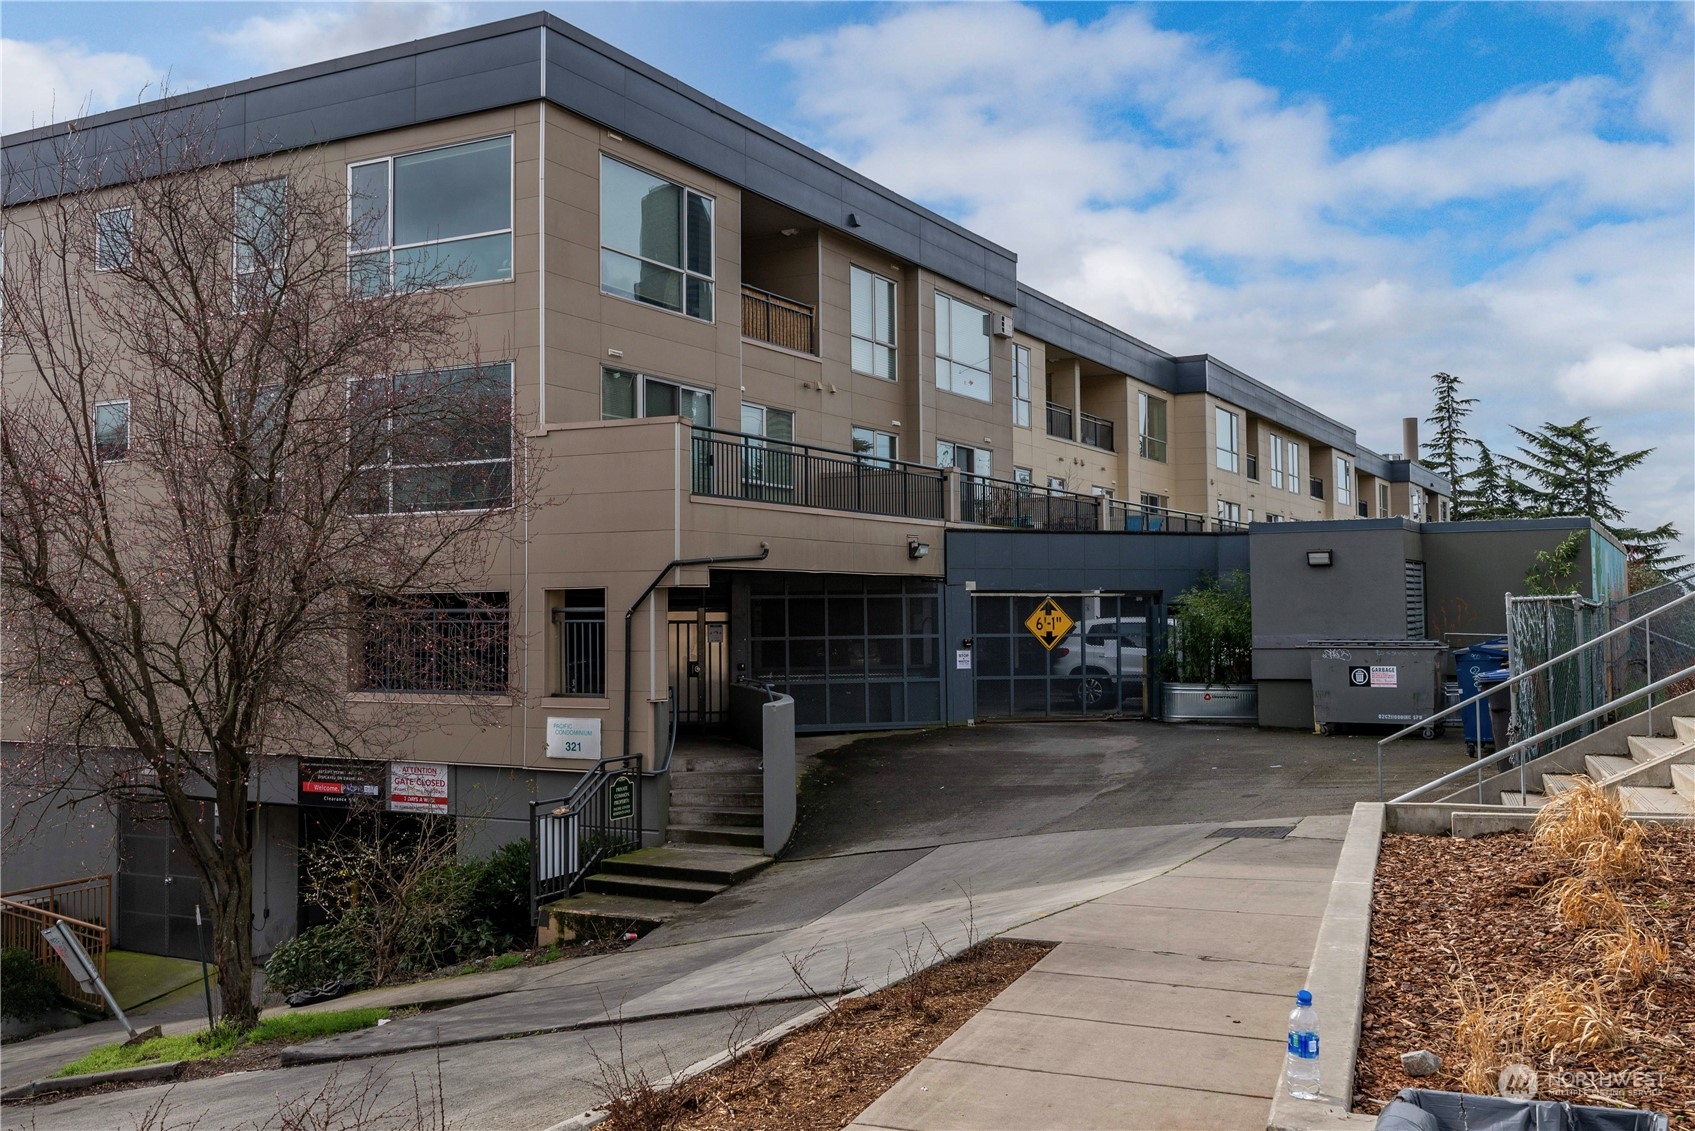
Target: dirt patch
822, 1076
1444, 910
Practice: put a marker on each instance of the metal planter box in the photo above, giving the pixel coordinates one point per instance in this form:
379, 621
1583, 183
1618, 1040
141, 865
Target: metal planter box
1215, 703
1376, 683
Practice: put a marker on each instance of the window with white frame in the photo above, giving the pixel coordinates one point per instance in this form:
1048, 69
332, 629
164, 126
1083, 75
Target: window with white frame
1150, 416
113, 231
656, 240
1056, 482
871, 300
1442, 510
436, 217
1276, 450
111, 431
440, 440
1025, 478
1229, 512
1417, 499
874, 448
1227, 440
626, 396
261, 214
1383, 500
1344, 482
1021, 386
972, 461
962, 349
768, 459
1294, 453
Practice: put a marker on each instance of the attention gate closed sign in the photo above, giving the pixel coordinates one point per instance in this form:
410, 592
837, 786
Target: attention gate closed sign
417, 787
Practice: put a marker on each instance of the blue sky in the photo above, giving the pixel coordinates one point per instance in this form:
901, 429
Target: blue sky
1338, 198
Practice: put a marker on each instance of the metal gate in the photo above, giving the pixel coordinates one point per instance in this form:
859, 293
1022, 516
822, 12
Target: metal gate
157, 885
700, 669
1099, 666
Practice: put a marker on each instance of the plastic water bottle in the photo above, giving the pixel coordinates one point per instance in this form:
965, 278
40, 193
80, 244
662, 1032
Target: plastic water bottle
1301, 1063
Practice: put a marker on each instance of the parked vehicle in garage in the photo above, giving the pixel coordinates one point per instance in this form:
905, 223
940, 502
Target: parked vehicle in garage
1100, 655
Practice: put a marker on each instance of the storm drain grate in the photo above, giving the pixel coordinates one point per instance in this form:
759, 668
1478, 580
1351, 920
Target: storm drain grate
1258, 832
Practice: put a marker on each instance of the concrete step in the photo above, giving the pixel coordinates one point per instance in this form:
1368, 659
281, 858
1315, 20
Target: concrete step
716, 834
1646, 749
724, 761
1604, 766
1683, 780
599, 915
743, 816
718, 779
1553, 784
1648, 799
705, 865
653, 887
1683, 727
697, 798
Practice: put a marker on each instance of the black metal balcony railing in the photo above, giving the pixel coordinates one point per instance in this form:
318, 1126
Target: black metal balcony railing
1141, 518
998, 502
1095, 432
768, 317
1317, 488
1059, 421
730, 465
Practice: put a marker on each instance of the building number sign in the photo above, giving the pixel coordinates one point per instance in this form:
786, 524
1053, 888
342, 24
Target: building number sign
1049, 623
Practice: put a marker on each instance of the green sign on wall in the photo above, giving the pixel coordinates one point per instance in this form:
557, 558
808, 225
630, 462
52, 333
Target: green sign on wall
622, 803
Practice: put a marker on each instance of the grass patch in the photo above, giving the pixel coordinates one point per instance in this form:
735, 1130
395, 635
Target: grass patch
210, 1044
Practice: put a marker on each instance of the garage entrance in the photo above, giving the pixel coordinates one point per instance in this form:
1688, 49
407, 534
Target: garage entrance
1098, 667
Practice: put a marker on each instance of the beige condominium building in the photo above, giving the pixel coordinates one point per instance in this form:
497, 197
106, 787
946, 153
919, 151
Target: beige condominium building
721, 344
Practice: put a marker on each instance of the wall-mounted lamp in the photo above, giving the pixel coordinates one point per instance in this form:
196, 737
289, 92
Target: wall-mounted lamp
916, 549
1319, 558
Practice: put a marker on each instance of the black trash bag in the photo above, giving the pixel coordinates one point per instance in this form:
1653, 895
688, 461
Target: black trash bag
1420, 1109
333, 988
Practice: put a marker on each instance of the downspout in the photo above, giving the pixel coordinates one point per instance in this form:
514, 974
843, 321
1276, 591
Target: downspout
630, 614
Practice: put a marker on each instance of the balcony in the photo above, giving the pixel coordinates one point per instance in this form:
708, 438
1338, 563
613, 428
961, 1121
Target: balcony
730, 465
1316, 486
1253, 468
777, 321
1059, 421
999, 502
1144, 519
1095, 432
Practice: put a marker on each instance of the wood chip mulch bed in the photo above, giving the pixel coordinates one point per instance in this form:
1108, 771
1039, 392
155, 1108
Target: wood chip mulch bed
822, 1076
1444, 908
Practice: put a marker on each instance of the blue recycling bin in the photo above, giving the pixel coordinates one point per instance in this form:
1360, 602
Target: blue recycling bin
1469, 664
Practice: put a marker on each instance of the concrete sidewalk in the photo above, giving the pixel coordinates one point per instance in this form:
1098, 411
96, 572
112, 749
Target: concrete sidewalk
1163, 1005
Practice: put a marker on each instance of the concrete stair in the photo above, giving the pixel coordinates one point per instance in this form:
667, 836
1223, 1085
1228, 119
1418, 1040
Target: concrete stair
717, 797
641, 890
1655, 777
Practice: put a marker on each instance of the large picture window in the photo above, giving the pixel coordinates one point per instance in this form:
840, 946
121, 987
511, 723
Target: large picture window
626, 396
962, 349
443, 216
434, 441
1227, 440
1150, 414
872, 299
111, 431
1276, 450
1294, 451
435, 643
874, 448
1344, 482
655, 241
113, 229
1021, 386
261, 227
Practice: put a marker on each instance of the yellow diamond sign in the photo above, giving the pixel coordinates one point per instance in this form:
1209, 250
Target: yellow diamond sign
1049, 623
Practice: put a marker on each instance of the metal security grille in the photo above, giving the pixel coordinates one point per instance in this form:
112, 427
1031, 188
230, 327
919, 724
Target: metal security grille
1253, 832
436, 642
1099, 668
582, 642
1415, 600
700, 656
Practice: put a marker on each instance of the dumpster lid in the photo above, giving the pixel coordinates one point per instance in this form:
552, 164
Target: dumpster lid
1434, 644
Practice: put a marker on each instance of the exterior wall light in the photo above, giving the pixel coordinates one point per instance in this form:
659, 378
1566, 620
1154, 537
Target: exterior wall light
1319, 558
916, 549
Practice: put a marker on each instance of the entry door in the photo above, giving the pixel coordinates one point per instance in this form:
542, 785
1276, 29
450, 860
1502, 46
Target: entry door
1100, 667
157, 885
700, 670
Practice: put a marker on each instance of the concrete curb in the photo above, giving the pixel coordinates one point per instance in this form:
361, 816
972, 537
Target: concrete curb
1337, 981
166, 1071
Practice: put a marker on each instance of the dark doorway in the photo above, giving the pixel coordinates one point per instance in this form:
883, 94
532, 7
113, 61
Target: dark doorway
157, 885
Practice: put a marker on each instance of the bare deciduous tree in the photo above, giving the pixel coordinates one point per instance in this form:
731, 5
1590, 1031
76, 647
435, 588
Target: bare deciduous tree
226, 475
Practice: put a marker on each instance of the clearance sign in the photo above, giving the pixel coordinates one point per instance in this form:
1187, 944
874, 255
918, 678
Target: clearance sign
417, 787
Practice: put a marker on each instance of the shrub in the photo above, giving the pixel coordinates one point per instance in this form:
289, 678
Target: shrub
28, 987
500, 898
318, 955
1212, 641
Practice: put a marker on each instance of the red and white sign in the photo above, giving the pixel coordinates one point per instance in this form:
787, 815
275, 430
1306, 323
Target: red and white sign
1383, 676
417, 787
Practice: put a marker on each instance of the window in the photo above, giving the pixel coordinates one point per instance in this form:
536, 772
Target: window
1100, 492
1056, 482
1383, 500
1229, 512
1021, 386
655, 241
1276, 461
1442, 509
434, 643
434, 441
874, 448
1250, 514
1344, 483
1294, 452
260, 229
440, 216
112, 232
1149, 499
872, 313
1025, 478
111, 431
962, 349
1416, 497
972, 461
1150, 415
627, 396
1228, 441
768, 464
579, 630
1274, 518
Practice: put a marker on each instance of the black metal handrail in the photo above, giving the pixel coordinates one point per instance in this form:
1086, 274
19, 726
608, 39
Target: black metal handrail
1000, 502
571, 835
1059, 421
1143, 518
1094, 431
734, 465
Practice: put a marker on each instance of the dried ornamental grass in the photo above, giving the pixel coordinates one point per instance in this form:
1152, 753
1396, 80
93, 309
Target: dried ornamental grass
1575, 818
1579, 901
1625, 858
1562, 1015
1481, 1034
1629, 956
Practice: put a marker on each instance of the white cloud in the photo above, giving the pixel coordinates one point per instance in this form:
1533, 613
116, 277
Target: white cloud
315, 32
53, 80
1541, 236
